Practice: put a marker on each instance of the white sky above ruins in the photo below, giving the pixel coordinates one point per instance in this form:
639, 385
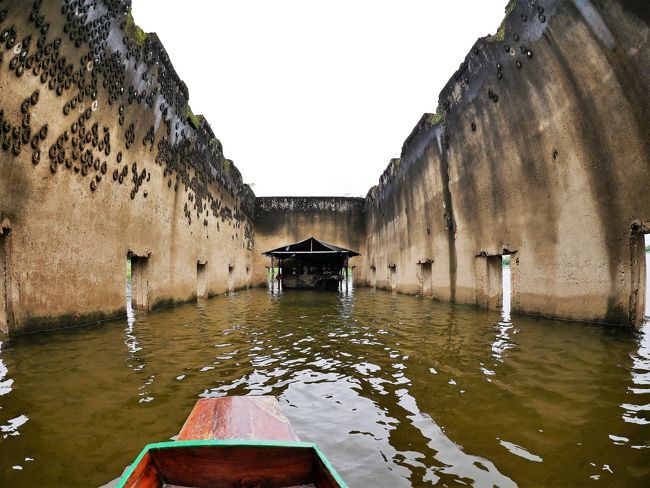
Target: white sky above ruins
314, 97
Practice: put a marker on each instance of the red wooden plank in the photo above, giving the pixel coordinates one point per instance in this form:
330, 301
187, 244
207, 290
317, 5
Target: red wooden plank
230, 467
250, 417
145, 475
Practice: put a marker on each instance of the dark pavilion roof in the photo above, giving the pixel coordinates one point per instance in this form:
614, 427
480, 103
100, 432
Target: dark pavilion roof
309, 246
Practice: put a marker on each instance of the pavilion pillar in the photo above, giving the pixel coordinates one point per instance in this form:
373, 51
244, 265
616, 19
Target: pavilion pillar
346, 276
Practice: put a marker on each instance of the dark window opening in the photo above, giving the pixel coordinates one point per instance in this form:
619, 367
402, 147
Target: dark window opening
137, 281
425, 278
201, 280
231, 277
4, 280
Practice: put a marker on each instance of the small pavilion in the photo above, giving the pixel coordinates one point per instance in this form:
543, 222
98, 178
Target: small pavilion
310, 264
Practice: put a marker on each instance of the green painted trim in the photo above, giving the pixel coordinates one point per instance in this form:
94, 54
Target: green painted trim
326, 462
232, 443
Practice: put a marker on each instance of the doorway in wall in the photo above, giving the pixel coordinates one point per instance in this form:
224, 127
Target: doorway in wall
137, 277
231, 277
201, 280
425, 278
494, 282
506, 285
392, 276
4, 280
640, 275
647, 276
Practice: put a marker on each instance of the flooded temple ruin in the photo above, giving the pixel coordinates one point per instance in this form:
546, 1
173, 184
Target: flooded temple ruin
311, 264
519, 200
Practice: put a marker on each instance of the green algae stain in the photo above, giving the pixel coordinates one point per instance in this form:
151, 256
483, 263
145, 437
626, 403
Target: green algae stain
138, 34
501, 31
194, 120
436, 118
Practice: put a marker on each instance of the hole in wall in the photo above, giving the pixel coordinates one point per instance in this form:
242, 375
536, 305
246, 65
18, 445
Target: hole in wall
494, 281
506, 285
647, 276
373, 276
639, 307
425, 278
231, 277
392, 276
4, 280
137, 281
201, 280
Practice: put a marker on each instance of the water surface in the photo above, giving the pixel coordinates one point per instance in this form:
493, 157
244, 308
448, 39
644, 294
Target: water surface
398, 391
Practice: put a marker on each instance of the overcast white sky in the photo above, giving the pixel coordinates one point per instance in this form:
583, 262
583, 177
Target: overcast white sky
314, 97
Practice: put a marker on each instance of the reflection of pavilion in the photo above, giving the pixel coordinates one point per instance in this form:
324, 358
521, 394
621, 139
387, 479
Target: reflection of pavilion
310, 264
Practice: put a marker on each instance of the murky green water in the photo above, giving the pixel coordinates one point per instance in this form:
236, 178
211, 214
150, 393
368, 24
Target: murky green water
398, 391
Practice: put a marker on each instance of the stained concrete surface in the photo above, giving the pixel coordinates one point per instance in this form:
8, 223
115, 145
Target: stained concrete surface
539, 147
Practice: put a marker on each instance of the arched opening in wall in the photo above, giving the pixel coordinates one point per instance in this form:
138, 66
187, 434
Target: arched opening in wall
425, 277
231, 277
137, 281
392, 276
201, 280
4, 280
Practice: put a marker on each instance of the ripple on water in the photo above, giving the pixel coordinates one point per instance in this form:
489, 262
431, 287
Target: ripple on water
398, 391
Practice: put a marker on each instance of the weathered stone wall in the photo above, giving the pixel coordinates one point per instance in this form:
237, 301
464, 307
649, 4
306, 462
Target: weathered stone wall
540, 148
101, 156
284, 220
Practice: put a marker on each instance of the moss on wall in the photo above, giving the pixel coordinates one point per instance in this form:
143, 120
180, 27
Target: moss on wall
501, 31
194, 120
139, 35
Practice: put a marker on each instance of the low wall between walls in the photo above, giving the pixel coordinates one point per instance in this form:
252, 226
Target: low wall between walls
285, 220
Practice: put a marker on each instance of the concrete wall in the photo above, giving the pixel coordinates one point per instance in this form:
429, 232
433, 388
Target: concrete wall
122, 166
540, 148
284, 220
